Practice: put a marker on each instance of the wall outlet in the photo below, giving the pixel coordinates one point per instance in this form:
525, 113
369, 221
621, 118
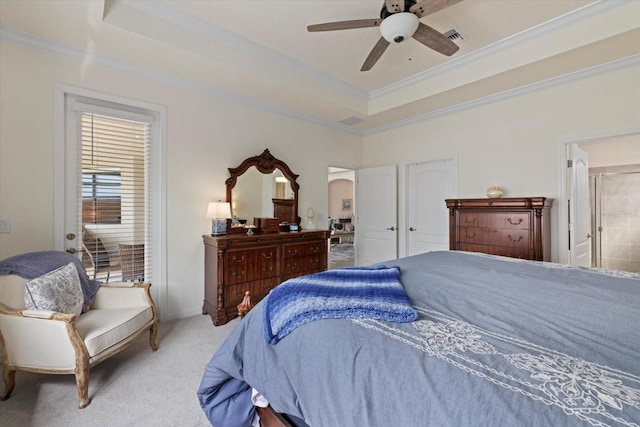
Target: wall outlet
5, 225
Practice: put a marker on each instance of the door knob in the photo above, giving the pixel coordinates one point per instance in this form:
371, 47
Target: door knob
70, 236
391, 228
413, 229
72, 250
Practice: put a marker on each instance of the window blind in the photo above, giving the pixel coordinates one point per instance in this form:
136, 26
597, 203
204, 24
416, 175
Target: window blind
115, 199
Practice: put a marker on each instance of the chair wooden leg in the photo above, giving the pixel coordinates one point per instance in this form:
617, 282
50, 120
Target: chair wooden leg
9, 377
153, 331
82, 382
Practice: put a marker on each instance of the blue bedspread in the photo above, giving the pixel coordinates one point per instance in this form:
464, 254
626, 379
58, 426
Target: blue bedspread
346, 293
498, 342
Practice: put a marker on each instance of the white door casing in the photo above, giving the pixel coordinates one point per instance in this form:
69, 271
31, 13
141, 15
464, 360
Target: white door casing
428, 185
67, 206
579, 207
376, 215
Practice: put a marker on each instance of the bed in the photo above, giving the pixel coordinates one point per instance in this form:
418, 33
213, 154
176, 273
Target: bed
497, 341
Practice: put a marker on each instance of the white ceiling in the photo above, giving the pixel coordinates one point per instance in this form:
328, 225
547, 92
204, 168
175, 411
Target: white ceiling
260, 52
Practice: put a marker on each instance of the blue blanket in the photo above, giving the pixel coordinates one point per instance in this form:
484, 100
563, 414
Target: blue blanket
346, 293
34, 264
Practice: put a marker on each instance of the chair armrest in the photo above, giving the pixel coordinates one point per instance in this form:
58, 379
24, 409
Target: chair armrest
38, 314
37, 338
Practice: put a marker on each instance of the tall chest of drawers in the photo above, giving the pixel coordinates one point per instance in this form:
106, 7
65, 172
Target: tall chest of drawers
513, 227
235, 263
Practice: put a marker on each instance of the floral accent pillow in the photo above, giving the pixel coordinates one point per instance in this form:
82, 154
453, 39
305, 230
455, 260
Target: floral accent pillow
58, 291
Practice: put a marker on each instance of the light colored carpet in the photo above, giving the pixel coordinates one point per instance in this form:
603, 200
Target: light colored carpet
341, 255
137, 387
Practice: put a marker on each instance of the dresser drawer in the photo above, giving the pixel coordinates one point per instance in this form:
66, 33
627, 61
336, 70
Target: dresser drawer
233, 294
251, 264
517, 220
492, 236
302, 265
294, 250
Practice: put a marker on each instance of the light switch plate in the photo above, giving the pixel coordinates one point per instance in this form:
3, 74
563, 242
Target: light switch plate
5, 225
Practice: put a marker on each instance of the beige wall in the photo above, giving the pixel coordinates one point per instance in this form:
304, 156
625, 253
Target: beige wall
514, 142
206, 135
614, 151
339, 190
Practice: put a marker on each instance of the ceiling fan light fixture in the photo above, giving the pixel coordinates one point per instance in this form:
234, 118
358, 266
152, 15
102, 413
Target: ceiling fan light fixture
399, 27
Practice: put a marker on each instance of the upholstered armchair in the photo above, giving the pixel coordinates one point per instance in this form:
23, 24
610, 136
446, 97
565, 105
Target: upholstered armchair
46, 340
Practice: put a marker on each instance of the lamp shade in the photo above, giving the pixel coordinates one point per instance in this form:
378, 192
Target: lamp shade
399, 27
219, 210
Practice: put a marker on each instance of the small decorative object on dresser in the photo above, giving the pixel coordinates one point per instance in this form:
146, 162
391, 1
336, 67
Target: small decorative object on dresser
311, 214
514, 227
494, 192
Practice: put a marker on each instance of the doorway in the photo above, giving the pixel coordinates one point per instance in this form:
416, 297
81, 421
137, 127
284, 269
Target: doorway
615, 204
341, 214
617, 155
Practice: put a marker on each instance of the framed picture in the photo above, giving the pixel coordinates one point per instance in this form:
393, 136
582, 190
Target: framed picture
346, 204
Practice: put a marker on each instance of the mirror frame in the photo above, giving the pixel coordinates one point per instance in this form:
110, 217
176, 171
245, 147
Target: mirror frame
265, 163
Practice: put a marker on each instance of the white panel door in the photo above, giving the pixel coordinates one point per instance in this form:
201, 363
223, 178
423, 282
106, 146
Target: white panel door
376, 215
579, 207
428, 185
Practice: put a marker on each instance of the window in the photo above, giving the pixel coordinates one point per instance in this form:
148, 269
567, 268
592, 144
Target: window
114, 192
101, 198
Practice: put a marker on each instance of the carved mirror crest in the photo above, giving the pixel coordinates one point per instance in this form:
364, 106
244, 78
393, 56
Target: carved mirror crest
263, 186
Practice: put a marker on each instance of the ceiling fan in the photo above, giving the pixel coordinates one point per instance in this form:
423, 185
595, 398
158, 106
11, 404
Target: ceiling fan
397, 25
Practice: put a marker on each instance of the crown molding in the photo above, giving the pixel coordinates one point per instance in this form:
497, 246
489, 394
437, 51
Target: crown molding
512, 93
7, 34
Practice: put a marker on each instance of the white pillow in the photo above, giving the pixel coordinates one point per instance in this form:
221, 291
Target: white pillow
58, 290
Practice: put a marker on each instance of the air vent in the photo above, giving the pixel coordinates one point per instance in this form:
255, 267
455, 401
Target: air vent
454, 36
351, 121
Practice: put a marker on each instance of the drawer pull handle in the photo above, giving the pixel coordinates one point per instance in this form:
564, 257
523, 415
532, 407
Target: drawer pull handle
515, 223
236, 259
236, 275
265, 269
267, 256
470, 221
315, 249
292, 252
293, 266
513, 240
468, 236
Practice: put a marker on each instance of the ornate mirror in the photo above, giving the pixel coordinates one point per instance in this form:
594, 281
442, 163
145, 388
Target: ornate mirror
263, 186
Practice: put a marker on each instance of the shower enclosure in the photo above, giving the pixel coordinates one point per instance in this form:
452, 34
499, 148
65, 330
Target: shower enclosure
615, 217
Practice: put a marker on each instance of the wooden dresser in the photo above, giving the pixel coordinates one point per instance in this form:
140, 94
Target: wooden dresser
235, 263
514, 227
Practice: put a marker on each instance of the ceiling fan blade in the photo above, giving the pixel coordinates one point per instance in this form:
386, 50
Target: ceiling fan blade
375, 54
427, 7
435, 40
345, 25
394, 6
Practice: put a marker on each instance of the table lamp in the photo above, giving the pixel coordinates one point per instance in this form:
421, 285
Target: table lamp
219, 212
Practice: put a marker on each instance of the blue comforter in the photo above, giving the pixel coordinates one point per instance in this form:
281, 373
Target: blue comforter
498, 341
